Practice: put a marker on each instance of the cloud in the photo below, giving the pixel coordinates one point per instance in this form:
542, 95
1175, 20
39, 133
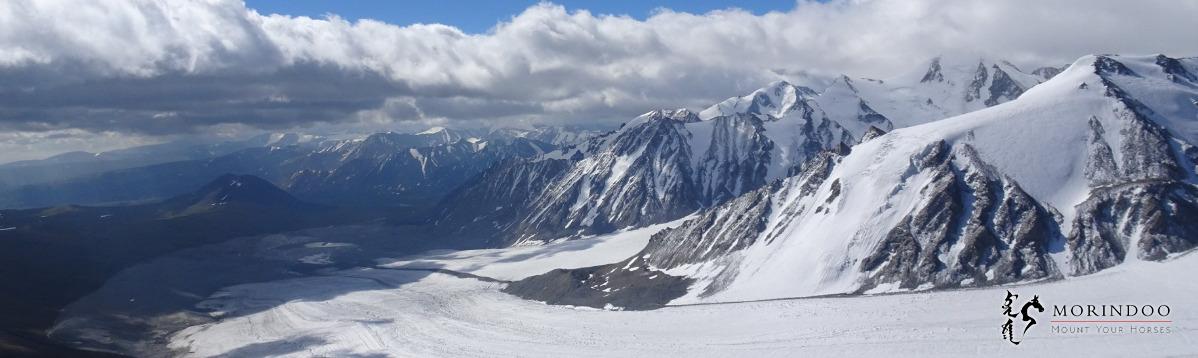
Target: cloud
164, 67
16, 146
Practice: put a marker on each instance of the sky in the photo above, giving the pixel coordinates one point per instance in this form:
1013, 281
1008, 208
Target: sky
478, 16
99, 75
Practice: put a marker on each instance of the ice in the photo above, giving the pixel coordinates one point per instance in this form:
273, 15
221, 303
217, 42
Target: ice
439, 315
317, 259
516, 263
433, 130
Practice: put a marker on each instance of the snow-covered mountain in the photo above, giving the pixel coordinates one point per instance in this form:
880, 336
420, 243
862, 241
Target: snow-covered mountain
668, 163
389, 169
79, 164
383, 169
1090, 169
558, 136
639, 174
945, 87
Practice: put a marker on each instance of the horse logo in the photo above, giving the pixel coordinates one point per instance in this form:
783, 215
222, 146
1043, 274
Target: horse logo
1008, 328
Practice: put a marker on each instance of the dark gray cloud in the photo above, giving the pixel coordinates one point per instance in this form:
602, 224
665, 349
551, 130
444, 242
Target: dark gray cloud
161, 67
180, 102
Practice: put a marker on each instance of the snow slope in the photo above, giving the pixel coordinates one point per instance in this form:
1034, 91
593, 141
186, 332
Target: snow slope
411, 314
669, 163
519, 262
945, 87
1039, 144
1091, 169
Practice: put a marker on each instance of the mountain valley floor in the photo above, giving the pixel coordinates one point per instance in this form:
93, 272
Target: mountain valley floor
404, 312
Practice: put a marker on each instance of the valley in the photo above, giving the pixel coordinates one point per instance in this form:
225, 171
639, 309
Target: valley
364, 312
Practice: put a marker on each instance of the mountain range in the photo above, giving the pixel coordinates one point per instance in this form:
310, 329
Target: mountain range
668, 163
963, 173
383, 169
1090, 169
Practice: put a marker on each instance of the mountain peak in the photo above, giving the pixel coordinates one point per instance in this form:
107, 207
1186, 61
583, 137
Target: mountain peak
777, 85
1106, 65
1047, 72
782, 87
681, 114
231, 189
934, 73
433, 130
845, 81
775, 99
1174, 69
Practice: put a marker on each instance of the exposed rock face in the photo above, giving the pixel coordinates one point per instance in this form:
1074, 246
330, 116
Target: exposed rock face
1175, 70
647, 172
871, 117
638, 175
807, 133
1100, 165
1104, 65
730, 227
641, 176
1150, 220
737, 159
1003, 88
655, 169
382, 171
640, 281
494, 201
972, 227
631, 285
992, 85
1146, 149
951, 87
934, 73
872, 133
718, 233
1141, 203
974, 91
1047, 73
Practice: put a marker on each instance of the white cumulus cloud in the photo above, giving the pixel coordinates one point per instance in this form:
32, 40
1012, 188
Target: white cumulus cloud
118, 65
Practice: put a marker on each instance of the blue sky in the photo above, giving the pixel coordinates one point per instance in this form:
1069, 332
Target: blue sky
476, 16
